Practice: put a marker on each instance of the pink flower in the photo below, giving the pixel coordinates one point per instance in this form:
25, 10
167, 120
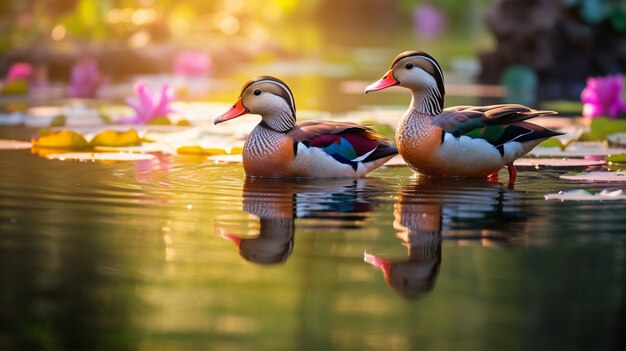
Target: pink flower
603, 97
428, 21
148, 104
192, 63
86, 79
21, 71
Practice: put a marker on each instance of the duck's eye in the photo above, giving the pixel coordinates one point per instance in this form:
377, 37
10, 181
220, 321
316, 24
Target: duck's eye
408, 66
257, 92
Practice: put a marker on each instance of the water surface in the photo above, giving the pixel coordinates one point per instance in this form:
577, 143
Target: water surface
179, 254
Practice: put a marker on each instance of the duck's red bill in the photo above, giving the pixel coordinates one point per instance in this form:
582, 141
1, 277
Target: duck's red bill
237, 110
385, 82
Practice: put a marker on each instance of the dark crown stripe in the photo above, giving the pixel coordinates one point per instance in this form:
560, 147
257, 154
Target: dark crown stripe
288, 96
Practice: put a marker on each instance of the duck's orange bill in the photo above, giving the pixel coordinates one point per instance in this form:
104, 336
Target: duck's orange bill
385, 82
237, 110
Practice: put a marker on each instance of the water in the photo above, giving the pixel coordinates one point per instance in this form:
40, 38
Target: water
170, 254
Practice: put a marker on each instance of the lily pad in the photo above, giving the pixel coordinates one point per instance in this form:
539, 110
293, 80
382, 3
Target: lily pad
588, 195
116, 138
99, 156
597, 176
63, 139
602, 127
198, 150
619, 158
396, 161
557, 162
14, 144
576, 149
618, 139
226, 158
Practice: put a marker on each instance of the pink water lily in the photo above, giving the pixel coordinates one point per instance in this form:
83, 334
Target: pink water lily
148, 104
192, 63
21, 71
85, 79
602, 97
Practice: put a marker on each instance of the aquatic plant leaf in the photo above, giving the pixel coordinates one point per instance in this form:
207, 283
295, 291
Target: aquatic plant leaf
619, 158
198, 150
597, 176
557, 162
602, 127
576, 149
116, 139
226, 158
63, 139
588, 195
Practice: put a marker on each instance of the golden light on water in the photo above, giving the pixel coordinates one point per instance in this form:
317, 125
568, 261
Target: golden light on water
229, 25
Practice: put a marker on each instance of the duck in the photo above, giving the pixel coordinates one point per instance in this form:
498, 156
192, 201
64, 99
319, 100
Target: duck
278, 147
460, 141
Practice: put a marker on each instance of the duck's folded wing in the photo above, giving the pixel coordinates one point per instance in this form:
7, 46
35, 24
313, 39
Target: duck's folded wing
497, 124
342, 140
464, 119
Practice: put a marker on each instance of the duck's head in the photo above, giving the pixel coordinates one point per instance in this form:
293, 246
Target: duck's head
418, 72
267, 96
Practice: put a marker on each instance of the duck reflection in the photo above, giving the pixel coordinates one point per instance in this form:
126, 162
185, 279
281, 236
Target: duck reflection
462, 211
336, 203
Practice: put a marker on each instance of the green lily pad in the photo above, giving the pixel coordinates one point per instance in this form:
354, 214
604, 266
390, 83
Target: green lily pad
619, 158
602, 127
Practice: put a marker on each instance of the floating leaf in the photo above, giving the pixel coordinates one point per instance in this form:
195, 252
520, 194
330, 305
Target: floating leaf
557, 162
598, 176
602, 127
100, 156
160, 121
63, 139
116, 139
58, 121
619, 158
576, 149
587, 195
226, 158
198, 150
618, 139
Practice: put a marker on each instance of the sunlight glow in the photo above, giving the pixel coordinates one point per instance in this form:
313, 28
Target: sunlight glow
58, 33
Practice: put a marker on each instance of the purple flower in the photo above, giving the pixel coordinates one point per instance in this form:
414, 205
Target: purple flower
149, 105
86, 79
21, 71
603, 97
192, 63
428, 21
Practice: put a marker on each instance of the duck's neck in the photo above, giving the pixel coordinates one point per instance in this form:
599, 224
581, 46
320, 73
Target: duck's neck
279, 120
426, 102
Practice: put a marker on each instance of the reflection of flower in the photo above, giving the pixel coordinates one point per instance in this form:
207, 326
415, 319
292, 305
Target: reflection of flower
149, 105
602, 97
85, 79
428, 21
192, 63
20, 71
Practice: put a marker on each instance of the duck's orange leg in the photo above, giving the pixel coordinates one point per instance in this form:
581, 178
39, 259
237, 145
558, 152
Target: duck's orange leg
512, 174
493, 177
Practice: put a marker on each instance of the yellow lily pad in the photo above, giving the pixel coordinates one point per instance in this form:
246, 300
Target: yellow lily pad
116, 139
160, 120
198, 150
63, 139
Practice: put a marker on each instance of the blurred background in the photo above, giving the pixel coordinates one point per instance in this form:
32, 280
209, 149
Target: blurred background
538, 49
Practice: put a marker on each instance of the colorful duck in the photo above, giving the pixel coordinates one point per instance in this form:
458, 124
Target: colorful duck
278, 147
466, 141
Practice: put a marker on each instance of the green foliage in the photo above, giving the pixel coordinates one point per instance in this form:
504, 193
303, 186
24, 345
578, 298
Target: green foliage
602, 127
521, 84
619, 158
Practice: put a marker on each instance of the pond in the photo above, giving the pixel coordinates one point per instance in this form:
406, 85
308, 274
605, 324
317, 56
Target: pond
179, 254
